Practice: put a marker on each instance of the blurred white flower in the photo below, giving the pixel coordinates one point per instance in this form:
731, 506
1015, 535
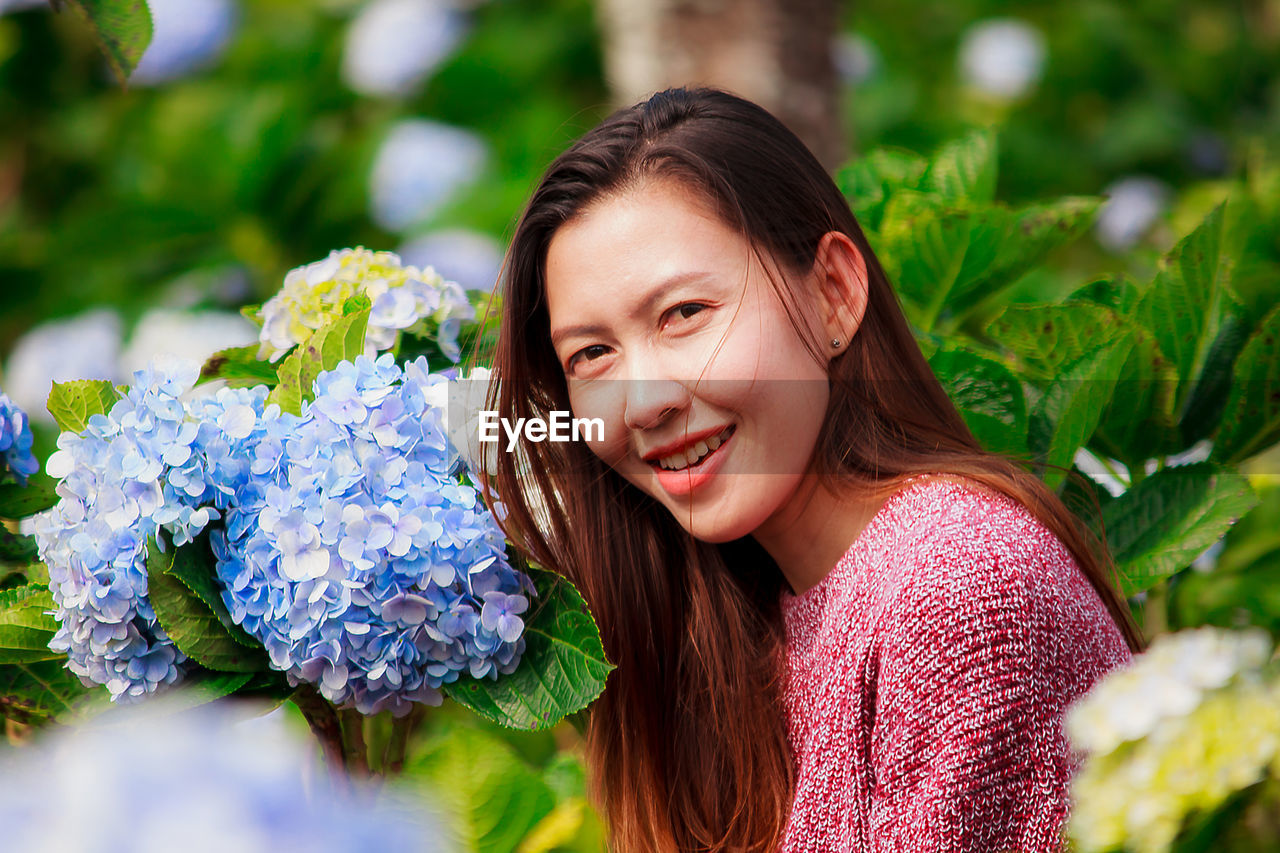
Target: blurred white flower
1002, 57
392, 45
186, 35
1167, 681
420, 164
19, 5
86, 346
159, 778
1133, 204
470, 258
1194, 719
186, 336
855, 56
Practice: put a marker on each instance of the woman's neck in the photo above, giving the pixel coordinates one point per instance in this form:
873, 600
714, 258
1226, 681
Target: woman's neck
810, 534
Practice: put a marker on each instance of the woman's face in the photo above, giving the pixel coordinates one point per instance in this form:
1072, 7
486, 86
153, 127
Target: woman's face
669, 331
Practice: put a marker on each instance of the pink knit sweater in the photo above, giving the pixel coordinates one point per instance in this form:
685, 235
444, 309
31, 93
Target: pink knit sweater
927, 676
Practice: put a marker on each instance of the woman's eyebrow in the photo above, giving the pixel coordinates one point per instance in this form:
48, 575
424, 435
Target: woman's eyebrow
645, 306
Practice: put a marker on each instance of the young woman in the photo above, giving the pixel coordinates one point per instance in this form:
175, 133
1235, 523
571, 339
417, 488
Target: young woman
838, 623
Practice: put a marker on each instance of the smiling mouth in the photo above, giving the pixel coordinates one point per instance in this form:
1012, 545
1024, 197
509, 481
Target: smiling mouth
695, 454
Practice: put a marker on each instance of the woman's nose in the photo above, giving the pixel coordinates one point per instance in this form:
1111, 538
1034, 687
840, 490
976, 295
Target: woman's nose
651, 401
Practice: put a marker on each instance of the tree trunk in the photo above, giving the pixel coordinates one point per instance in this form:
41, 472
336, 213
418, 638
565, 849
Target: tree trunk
774, 52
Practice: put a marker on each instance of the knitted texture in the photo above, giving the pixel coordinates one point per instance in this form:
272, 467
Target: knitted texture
928, 675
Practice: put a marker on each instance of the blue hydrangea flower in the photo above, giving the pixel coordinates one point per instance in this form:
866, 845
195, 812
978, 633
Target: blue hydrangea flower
156, 779
15, 442
139, 469
351, 552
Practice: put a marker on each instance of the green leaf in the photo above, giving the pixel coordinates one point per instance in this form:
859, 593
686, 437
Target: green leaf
989, 397
25, 627
1251, 415
491, 797
21, 501
188, 620
1069, 411
1044, 338
869, 181
122, 29
34, 693
1164, 522
335, 342
1139, 422
965, 169
252, 313
1207, 399
563, 669
193, 565
1117, 292
16, 548
1185, 305
73, 403
240, 368
202, 687
951, 260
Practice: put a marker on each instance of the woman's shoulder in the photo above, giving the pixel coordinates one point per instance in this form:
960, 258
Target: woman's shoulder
958, 548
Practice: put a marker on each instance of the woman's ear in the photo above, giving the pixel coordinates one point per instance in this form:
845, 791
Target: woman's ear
841, 280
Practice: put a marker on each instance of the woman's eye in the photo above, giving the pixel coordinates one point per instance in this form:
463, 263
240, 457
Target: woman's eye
590, 353
685, 310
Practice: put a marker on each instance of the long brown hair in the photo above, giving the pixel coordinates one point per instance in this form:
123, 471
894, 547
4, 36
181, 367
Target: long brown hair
687, 745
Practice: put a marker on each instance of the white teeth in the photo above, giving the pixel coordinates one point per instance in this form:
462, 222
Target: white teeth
678, 461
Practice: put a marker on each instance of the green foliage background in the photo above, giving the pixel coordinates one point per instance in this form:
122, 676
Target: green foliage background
261, 163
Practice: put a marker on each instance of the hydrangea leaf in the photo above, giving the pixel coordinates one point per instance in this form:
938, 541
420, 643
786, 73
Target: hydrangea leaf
189, 621
964, 169
121, 27
1251, 418
1162, 524
869, 181
335, 342
16, 548
1185, 305
1071, 408
946, 258
1206, 402
562, 671
26, 626
34, 693
1043, 338
494, 798
73, 403
193, 565
239, 367
21, 501
989, 397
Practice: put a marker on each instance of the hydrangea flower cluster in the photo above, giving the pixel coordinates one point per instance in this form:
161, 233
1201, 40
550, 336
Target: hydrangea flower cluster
353, 554
202, 781
1194, 720
123, 479
404, 298
15, 442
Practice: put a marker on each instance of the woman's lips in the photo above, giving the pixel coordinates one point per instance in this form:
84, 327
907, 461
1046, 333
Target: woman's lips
684, 481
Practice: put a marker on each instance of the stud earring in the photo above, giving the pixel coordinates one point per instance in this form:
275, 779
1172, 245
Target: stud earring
835, 343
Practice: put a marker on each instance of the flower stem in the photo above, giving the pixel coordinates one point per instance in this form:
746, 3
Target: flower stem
398, 745
323, 720
354, 749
